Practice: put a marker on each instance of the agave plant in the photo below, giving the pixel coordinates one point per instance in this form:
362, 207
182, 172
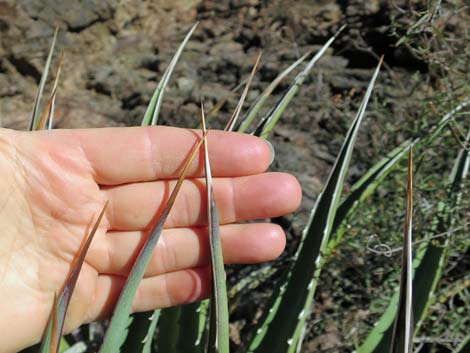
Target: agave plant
204, 327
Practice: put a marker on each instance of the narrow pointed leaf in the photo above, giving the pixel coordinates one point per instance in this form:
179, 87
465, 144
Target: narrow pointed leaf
361, 190
37, 100
402, 338
48, 114
374, 176
153, 109
50, 121
51, 339
428, 263
141, 331
261, 99
282, 328
269, 121
181, 329
431, 256
45, 115
233, 120
116, 332
219, 340
64, 346
55, 331
143, 324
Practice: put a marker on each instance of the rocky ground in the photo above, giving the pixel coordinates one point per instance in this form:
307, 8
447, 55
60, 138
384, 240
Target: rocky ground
116, 51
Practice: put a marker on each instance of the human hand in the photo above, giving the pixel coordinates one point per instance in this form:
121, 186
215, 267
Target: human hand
54, 183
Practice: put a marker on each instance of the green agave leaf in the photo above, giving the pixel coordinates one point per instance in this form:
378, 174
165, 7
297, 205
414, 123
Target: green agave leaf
140, 332
42, 83
79, 347
202, 322
432, 254
464, 347
181, 329
361, 190
283, 326
261, 99
153, 109
55, 326
117, 329
269, 121
219, 339
428, 264
63, 345
169, 330
233, 120
402, 337
143, 325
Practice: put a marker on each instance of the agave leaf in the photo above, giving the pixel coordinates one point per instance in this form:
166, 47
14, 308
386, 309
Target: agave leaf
202, 321
269, 121
428, 264
153, 109
378, 171
233, 120
283, 326
50, 121
42, 83
48, 114
402, 337
168, 330
141, 331
55, 332
219, 340
45, 115
181, 329
116, 332
432, 254
64, 346
261, 99
55, 326
79, 347
144, 324
361, 190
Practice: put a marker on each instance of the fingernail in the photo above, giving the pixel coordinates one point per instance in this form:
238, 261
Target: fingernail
272, 151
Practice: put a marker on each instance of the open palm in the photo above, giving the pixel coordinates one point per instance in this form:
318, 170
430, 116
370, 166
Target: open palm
53, 185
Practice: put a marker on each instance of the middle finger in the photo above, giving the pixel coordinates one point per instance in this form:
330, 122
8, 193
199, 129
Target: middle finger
136, 206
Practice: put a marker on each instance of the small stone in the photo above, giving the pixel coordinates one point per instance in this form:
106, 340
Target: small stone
185, 85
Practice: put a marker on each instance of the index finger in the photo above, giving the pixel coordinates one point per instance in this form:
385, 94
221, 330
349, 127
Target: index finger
136, 154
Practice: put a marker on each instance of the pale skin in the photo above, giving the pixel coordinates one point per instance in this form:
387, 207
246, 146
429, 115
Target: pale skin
54, 184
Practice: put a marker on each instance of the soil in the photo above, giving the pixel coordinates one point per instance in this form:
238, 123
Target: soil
116, 52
